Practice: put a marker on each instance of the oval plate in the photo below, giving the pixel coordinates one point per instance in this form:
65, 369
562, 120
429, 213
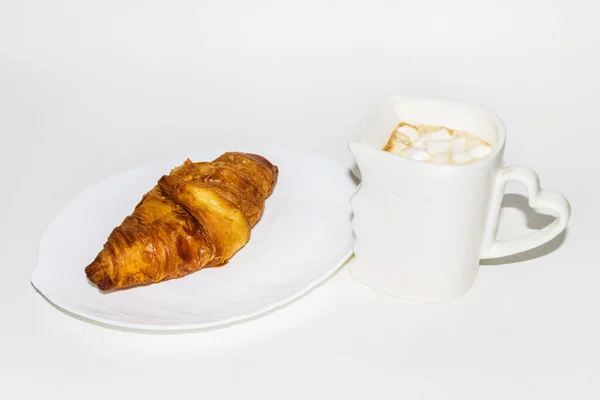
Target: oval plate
303, 237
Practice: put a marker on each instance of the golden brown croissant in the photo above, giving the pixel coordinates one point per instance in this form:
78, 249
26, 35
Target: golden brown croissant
198, 216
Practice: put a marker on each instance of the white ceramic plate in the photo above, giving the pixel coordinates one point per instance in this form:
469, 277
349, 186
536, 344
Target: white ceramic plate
304, 235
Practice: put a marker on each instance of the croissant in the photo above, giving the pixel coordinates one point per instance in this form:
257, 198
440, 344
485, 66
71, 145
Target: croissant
198, 216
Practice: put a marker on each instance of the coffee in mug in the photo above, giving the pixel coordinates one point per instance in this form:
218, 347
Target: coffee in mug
436, 144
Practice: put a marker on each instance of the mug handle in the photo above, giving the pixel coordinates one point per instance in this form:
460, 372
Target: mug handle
539, 199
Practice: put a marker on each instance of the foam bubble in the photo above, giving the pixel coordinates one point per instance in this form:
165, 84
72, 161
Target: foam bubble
480, 150
400, 138
461, 157
442, 134
416, 154
437, 146
459, 144
420, 142
411, 133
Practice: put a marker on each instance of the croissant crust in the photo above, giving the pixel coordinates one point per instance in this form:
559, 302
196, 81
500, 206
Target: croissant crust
198, 216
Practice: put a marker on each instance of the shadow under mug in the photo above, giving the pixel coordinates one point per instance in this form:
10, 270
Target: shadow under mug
421, 229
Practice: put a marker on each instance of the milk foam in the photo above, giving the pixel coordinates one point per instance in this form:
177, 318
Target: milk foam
436, 144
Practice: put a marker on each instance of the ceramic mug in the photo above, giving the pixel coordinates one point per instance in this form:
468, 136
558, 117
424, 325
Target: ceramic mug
421, 228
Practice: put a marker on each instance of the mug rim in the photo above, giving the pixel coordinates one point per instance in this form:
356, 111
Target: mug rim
391, 99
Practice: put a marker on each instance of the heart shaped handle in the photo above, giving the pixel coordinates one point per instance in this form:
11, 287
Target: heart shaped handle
539, 199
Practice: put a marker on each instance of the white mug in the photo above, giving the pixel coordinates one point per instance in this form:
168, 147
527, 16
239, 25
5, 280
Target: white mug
421, 228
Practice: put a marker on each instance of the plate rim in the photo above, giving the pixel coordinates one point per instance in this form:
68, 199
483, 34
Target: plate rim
110, 323
66, 308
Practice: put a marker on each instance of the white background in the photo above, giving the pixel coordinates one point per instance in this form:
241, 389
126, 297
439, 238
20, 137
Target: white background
88, 89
